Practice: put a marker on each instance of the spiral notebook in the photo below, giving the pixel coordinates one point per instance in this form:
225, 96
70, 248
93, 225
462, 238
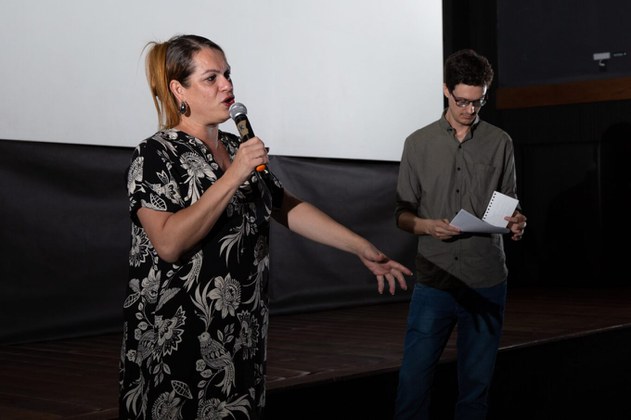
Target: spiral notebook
499, 207
493, 221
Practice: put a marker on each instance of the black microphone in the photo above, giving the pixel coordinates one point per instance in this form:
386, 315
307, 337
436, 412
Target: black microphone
238, 112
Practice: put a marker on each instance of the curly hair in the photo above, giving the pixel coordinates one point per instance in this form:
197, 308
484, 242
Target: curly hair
469, 68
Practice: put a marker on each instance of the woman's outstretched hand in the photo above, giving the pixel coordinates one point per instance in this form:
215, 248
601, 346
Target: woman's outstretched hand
384, 269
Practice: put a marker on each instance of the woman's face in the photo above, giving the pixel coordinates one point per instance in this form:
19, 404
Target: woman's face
210, 91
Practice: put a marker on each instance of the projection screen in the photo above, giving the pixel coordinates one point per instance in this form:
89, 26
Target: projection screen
320, 78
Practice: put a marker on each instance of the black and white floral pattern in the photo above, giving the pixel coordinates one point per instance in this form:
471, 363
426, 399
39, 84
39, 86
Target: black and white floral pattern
195, 332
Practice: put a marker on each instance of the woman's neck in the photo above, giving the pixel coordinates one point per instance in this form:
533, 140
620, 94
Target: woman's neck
209, 134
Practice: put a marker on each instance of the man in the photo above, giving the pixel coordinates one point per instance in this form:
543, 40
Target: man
455, 163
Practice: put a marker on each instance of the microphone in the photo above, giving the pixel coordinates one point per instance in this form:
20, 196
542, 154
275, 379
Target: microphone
238, 112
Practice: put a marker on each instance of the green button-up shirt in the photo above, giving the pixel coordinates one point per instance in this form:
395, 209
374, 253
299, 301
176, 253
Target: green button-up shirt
438, 176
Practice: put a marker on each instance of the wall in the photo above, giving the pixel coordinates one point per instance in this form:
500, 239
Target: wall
543, 42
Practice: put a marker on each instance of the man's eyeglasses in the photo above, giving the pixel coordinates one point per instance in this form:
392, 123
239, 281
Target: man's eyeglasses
464, 103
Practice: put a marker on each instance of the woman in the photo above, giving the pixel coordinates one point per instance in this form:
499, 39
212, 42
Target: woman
196, 312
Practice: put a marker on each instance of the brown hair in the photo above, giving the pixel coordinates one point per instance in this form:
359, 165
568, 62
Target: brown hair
172, 60
469, 68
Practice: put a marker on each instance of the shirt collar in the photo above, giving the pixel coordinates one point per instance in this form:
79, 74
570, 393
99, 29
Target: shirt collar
444, 124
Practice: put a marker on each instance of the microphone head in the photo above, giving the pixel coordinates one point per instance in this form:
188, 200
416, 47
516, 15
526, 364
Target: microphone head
237, 109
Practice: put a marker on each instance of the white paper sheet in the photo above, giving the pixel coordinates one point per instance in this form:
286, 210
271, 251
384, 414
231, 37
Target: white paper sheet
468, 223
500, 206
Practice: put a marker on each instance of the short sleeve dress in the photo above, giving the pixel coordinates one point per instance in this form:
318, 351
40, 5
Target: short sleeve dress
194, 344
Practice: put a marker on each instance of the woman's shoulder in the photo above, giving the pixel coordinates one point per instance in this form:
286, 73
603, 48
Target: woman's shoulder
160, 146
162, 139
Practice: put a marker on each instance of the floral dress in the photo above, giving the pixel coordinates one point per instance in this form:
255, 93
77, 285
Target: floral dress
195, 331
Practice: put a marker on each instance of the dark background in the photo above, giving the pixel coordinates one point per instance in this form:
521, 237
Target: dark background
65, 228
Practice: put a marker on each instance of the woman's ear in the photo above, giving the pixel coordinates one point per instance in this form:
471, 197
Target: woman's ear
176, 89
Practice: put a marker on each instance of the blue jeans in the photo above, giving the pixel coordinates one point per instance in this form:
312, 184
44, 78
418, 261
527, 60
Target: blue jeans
433, 314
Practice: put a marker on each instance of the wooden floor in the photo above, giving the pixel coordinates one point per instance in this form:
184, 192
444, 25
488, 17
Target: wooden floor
77, 378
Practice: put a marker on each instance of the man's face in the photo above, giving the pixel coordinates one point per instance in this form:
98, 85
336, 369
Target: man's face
465, 102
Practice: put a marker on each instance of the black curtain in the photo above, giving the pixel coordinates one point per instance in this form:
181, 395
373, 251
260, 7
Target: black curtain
65, 238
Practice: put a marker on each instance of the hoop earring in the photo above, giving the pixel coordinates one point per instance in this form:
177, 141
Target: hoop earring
183, 108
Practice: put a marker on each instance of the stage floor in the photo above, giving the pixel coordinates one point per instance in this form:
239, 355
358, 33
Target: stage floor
78, 378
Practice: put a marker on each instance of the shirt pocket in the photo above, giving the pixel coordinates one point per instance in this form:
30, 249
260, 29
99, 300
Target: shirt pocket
485, 180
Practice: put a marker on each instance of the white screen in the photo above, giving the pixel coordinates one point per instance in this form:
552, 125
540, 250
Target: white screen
320, 78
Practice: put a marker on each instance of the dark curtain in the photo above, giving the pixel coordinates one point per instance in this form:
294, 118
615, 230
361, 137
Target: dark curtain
65, 238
